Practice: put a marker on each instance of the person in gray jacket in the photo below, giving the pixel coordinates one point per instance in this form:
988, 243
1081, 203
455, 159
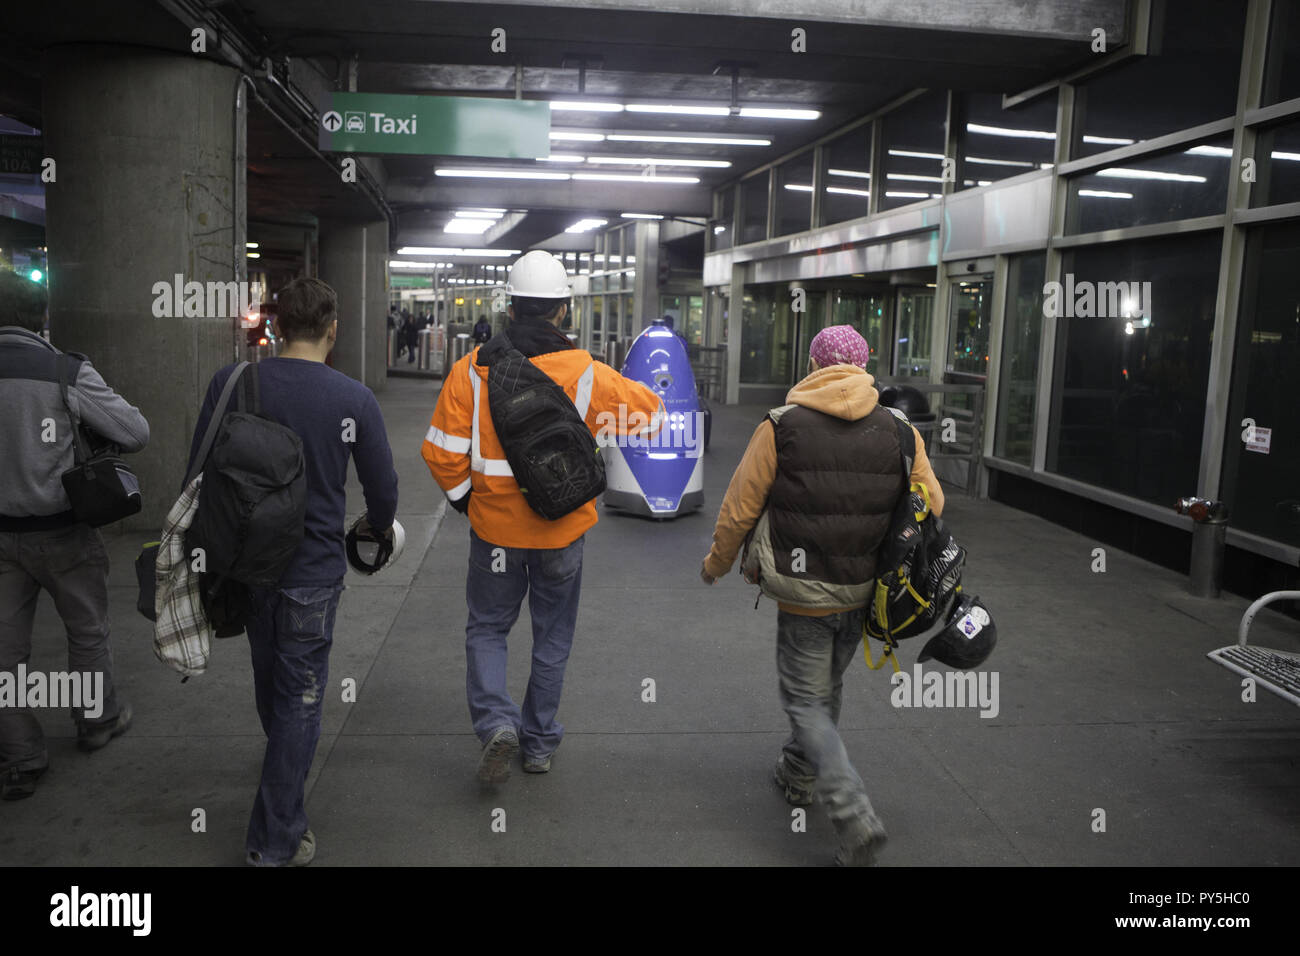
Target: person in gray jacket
42, 545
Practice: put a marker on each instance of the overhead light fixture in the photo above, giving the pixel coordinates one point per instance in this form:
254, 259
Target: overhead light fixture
798, 187
902, 195
253, 255
631, 178
445, 251
1293, 157
640, 215
655, 161
1208, 151
1005, 131
718, 230
695, 140
472, 226
499, 174
251, 245
479, 213
576, 136
915, 155
913, 177
586, 107
562, 158
1104, 194
766, 112
1000, 162
1118, 172
1108, 141
855, 173
586, 225
848, 192
679, 110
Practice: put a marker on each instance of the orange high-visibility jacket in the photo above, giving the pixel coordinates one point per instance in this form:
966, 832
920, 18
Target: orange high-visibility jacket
463, 452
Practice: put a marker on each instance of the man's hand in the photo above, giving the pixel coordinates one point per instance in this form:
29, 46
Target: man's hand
705, 576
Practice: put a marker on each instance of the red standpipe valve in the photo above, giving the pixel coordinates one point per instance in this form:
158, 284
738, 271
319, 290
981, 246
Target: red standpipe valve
1201, 509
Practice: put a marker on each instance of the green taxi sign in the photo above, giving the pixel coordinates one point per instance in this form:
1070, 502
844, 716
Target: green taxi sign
435, 125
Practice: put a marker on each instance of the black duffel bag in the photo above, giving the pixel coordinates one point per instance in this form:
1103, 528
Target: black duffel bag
100, 485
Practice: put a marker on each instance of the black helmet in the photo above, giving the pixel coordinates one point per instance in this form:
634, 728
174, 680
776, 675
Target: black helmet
967, 640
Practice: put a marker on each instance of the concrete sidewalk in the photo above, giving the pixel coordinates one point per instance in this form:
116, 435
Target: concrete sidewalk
1106, 703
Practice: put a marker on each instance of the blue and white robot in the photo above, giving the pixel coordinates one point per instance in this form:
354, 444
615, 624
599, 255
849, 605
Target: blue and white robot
660, 477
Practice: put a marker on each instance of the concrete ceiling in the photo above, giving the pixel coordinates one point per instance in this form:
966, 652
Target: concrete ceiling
860, 55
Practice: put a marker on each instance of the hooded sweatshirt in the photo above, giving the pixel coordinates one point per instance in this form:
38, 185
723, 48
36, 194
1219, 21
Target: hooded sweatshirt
844, 391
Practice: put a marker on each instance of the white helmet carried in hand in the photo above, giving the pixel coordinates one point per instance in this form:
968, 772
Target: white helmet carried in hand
369, 551
538, 275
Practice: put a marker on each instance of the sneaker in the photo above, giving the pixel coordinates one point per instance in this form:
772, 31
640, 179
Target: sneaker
494, 765
94, 736
797, 795
306, 853
20, 784
860, 843
537, 764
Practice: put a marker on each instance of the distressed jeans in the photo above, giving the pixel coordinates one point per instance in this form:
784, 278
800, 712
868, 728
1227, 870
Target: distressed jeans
498, 580
290, 634
812, 654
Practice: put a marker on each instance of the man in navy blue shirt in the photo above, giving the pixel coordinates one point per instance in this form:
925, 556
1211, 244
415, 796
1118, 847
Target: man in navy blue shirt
292, 626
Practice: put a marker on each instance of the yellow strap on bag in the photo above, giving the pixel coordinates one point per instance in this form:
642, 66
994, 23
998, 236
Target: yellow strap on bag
887, 655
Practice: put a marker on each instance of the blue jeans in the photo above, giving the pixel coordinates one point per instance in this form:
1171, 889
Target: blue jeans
812, 654
498, 580
289, 634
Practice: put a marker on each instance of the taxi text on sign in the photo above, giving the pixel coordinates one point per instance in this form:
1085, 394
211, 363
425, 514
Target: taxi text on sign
435, 125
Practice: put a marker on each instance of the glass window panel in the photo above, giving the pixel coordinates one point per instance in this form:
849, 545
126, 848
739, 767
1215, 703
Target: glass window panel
724, 227
994, 143
1282, 68
912, 340
753, 209
1181, 184
1128, 395
1277, 171
1189, 78
971, 316
1018, 375
767, 338
693, 327
913, 150
1262, 483
864, 311
794, 185
847, 191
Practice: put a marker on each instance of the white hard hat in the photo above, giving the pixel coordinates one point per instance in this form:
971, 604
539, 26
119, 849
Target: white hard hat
368, 551
538, 275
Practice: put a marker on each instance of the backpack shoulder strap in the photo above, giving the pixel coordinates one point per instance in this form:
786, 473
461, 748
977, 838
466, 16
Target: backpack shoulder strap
69, 367
214, 423
906, 445
250, 396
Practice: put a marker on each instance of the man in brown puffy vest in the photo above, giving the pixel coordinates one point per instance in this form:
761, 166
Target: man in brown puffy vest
817, 487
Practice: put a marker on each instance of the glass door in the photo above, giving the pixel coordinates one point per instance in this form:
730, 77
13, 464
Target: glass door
912, 332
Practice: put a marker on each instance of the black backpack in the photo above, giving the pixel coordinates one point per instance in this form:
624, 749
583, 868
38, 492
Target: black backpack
252, 505
918, 565
553, 455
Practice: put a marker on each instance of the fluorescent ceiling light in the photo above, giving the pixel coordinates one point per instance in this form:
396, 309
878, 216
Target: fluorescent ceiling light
652, 161
765, 112
472, 226
899, 195
585, 107
798, 187
1118, 172
577, 136
251, 245
499, 174
1000, 162
1004, 131
1208, 151
479, 213
679, 110
1293, 157
1108, 141
640, 215
253, 255
445, 251
848, 192
913, 177
562, 158
632, 178
855, 173
914, 154
1104, 194
586, 225
719, 229
697, 140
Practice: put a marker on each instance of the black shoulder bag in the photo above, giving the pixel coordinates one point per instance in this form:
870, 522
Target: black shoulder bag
100, 486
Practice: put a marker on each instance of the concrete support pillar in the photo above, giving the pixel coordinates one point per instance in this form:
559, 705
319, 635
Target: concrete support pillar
376, 317
735, 322
353, 259
150, 163
645, 285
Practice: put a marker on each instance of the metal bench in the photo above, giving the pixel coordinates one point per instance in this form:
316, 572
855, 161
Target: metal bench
1277, 671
